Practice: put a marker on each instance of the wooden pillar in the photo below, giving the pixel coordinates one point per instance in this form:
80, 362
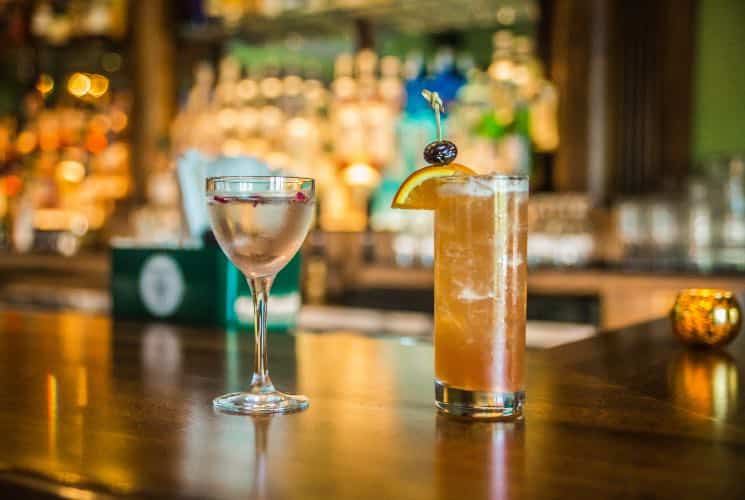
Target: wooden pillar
154, 106
623, 69
651, 73
569, 67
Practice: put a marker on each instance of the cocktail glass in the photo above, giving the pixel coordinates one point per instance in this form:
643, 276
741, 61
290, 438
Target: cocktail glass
260, 223
480, 295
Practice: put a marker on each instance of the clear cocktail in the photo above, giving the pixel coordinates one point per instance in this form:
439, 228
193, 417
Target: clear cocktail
480, 294
260, 223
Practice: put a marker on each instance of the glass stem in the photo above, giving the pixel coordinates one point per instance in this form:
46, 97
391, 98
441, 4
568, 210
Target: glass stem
260, 382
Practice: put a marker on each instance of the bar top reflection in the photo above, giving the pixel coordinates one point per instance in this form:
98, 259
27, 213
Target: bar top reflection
91, 406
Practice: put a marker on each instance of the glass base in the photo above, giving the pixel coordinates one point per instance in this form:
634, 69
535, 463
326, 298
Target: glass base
484, 405
246, 403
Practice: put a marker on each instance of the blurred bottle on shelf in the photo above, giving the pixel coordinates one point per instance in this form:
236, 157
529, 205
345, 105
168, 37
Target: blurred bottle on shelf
505, 114
159, 221
561, 230
701, 228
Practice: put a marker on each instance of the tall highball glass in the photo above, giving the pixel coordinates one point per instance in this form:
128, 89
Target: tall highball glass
480, 295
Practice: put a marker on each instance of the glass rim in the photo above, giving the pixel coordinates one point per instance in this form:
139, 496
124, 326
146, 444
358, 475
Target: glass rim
269, 183
490, 177
259, 178
706, 292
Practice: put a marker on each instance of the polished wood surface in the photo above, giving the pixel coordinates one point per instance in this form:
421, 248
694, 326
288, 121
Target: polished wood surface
123, 409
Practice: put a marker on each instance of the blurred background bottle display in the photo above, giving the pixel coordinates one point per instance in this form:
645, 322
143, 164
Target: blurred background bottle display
351, 117
328, 89
64, 124
361, 132
66, 163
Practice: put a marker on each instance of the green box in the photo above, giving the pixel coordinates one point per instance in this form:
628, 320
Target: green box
195, 286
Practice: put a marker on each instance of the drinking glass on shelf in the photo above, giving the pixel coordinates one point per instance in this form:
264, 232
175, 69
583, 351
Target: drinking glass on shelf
260, 224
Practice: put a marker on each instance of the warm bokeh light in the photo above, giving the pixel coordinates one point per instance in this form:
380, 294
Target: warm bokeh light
501, 70
705, 382
107, 186
45, 84
118, 120
71, 171
247, 90
361, 174
79, 84
227, 118
52, 408
100, 123
293, 85
78, 224
95, 215
232, 148
95, 142
26, 142
49, 140
13, 185
67, 244
99, 85
271, 88
51, 219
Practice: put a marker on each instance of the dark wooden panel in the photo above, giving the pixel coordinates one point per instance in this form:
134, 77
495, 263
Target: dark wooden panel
650, 78
623, 69
570, 30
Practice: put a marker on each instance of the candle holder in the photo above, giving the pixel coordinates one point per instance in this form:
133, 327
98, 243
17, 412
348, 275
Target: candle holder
706, 317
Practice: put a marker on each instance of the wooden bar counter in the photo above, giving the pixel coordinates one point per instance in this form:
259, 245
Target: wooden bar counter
91, 408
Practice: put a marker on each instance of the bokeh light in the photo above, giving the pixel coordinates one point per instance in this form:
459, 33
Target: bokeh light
78, 84
71, 171
99, 85
45, 84
26, 142
361, 174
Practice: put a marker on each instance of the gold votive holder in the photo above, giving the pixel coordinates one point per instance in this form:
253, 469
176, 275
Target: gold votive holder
706, 316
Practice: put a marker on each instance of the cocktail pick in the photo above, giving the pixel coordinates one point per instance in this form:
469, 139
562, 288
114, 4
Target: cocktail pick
441, 151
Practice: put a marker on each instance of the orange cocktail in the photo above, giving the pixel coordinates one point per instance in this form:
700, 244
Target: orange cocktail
480, 283
480, 294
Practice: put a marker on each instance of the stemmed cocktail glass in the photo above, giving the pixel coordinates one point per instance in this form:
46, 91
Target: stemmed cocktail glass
260, 223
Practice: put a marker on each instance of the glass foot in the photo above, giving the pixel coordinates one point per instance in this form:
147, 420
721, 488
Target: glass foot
246, 403
484, 405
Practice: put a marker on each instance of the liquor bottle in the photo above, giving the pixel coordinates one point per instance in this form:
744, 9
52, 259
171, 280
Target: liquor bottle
391, 94
272, 117
415, 126
446, 80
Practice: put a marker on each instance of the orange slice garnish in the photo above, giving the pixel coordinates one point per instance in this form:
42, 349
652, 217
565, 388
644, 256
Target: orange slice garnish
417, 192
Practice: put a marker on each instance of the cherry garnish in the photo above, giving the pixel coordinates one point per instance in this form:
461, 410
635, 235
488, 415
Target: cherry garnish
301, 197
440, 152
